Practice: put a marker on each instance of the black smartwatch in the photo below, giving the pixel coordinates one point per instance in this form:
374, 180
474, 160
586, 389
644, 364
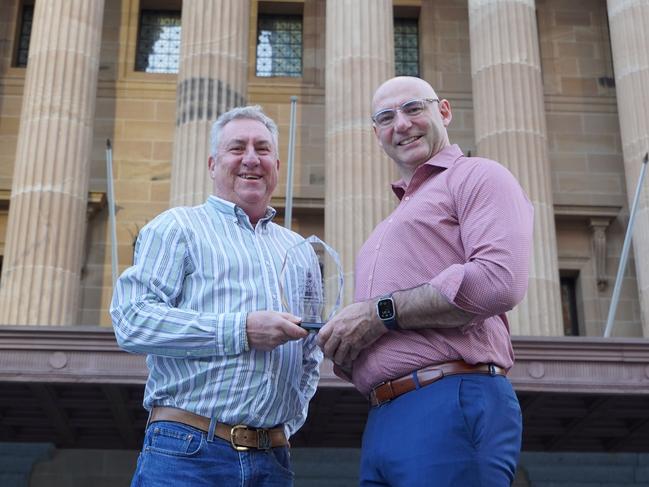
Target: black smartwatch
387, 313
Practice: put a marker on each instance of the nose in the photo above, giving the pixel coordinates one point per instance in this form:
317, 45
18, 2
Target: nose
401, 121
250, 156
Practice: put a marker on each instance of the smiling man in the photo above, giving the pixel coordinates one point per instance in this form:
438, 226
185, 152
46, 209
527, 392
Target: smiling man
230, 374
427, 339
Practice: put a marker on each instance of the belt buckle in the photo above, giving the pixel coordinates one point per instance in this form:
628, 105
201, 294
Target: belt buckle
232, 432
380, 402
492, 370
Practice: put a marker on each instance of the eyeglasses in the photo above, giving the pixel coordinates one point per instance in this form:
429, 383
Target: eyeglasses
412, 108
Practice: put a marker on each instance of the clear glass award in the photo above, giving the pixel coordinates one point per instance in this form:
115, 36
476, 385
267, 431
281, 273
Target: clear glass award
311, 282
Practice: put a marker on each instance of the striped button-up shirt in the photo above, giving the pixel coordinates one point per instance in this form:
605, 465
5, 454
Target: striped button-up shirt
464, 225
197, 273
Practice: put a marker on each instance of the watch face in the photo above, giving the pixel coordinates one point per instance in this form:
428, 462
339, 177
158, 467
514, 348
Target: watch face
385, 308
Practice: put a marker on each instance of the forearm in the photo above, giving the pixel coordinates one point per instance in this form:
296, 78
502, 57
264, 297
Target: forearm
146, 326
358, 325
425, 307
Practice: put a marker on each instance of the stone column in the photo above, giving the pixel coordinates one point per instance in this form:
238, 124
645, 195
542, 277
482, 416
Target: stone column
213, 78
510, 128
628, 21
360, 56
47, 217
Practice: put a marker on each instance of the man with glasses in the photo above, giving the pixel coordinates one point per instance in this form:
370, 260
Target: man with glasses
427, 340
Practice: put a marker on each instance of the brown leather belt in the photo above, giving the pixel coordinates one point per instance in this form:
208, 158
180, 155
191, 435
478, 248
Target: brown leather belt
388, 390
240, 436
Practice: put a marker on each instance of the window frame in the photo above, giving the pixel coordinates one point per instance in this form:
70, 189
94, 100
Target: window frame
20, 15
128, 39
574, 312
279, 17
271, 7
414, 21
141, 13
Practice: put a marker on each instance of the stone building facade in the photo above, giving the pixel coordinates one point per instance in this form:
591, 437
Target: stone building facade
554, 90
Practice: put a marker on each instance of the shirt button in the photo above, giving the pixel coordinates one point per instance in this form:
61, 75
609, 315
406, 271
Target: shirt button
407, 198
390, 220
378, 247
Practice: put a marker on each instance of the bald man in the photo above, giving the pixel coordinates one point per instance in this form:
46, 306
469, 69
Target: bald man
427, 340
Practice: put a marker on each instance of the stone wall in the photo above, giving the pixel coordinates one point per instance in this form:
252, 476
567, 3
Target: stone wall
137, 112
585, 152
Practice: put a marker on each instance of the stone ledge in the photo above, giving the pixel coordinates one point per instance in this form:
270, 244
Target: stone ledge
96, 201
86, 354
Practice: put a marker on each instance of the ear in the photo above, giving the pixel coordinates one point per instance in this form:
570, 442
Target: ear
376, 134
445, 110
277, 164
211, 164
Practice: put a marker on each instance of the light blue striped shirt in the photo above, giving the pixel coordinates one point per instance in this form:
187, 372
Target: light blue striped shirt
197, 273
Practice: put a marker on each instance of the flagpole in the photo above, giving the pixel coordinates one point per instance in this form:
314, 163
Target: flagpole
111, 209
625, 252
288, 206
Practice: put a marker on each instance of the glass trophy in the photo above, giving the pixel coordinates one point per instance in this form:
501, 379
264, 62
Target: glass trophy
311, 282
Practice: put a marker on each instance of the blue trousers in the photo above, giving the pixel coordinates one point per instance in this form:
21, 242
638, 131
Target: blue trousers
461, 431
178, 455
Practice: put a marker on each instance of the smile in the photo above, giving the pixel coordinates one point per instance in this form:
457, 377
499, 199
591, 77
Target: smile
409, 140
249, 176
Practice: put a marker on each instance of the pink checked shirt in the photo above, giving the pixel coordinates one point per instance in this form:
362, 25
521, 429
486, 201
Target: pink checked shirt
464, 225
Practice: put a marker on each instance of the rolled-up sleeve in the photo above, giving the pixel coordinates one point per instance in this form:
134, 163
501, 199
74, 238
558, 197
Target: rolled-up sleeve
496, 222
144, 309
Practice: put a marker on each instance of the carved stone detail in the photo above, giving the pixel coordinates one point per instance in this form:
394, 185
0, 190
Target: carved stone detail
598, 219
598, 228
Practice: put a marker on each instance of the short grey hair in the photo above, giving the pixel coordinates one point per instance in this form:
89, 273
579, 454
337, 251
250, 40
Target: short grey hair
251, 112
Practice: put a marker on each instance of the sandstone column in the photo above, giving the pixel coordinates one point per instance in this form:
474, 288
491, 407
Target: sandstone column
360, 56
213, 78
628, 20
510, 128
47, 217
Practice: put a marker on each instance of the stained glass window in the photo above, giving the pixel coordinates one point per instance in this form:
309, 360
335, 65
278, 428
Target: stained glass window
406, 47
25, 35
279, 45
158, 43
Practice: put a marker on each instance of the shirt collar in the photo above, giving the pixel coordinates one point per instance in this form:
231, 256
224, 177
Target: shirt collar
234, 211
443, 159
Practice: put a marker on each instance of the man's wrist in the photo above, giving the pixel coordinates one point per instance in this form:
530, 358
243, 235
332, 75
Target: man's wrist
387, 312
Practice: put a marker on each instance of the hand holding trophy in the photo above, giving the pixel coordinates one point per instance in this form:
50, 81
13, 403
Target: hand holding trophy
311, 282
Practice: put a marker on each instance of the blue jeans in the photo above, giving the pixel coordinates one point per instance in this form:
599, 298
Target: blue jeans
464, 430
178, 455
